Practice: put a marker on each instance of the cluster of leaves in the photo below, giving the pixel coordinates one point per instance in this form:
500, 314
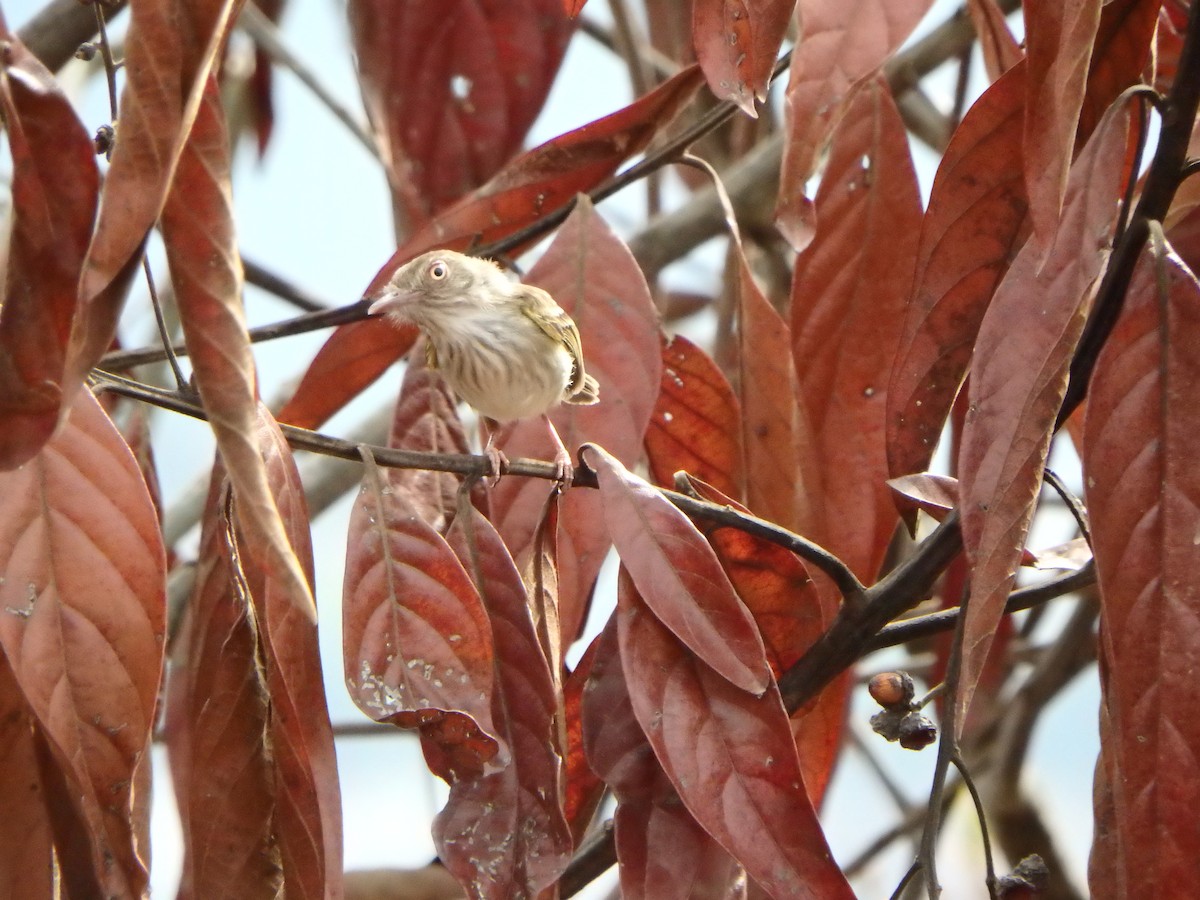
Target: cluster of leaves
711, 705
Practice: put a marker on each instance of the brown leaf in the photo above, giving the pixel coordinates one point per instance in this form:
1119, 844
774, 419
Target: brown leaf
848, 299
417, 642
55, 189
26, 841
573, 7
1058, 38
503, 832
730, 756
426, 421
547, 177
781, 482
737, 43
352, 358
999, 48
197, 227
82, 622
583, 789
308, 805
1119, 58
662, 850
791, 613
679, 575
1018, 380
217, 731
841, 43
451, 89
928, 492
1143, 494
695, 423
170, 51
593, 276
974, 226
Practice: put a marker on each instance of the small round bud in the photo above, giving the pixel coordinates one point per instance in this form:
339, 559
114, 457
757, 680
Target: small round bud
104, 139
891, 689
86, 51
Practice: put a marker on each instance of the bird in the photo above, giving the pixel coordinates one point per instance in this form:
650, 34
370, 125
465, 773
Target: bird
506, 348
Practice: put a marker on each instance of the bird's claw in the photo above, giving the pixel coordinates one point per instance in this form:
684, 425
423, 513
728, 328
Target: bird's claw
497, 465
564, 471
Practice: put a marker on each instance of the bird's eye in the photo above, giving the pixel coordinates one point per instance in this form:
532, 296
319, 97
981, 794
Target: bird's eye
438, 270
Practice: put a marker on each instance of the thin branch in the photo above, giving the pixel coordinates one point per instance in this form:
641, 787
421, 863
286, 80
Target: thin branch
265, 33
161, 321
263, 278
980, 815
1161, 182
1074, 504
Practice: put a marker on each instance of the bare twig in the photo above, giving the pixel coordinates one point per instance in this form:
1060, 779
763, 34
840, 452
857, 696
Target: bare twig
265, 33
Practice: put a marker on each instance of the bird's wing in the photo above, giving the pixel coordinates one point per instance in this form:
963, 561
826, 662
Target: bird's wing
540, 308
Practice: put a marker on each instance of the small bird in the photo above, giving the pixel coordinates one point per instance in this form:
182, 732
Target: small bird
504, 347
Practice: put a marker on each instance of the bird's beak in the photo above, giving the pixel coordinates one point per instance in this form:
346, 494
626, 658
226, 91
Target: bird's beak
391, 300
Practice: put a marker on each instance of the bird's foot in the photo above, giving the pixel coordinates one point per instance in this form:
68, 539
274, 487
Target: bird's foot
497, 464
564, 470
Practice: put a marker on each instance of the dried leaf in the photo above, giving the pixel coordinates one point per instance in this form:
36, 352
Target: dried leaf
730, 756
503, 832
737, 43
928, 492
1018, 380
1000, 49
1058, 38
26, 840
452, 88
1143, 494
663, 851
973, 228
417, 641
83, 592
353, 358
848, 299
679, 575
1121, 52
170, 51
55, 190
841, 43
695, 423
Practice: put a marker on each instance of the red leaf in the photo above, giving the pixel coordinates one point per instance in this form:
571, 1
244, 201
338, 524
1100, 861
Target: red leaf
1119, 58
971, 231
737, 43
452, 88
573, 7
170, 51
547, 177
583, 790
418, 646
1018, 380
308, 806
353, 357
26, 841
934, 494
83, 625
662, 850
55, 189
426, 421
593, 276
695, 423
843, 42
218, 708
730, 756
503, 832
679, 575
848, 299
791, 613
1059, 39
1143, 492
1000, 49
781, 482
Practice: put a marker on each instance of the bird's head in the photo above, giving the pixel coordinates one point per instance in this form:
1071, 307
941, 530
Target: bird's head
437, 284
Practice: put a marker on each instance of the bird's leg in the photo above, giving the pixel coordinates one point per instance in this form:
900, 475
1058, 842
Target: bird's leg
497, 461
564, 471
